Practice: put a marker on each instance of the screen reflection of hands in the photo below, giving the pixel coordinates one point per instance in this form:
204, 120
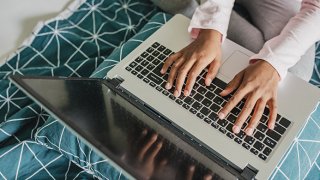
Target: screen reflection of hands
145, 155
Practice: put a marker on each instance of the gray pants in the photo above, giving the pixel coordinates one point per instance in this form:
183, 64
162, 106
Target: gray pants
260, 20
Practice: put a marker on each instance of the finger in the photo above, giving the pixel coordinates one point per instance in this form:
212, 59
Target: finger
190, 172
183, 71
169, 61
245, 112
254, 121
146, 147
233, 84
234, 100
212, 71
192, 76
155, 151
173, 72
273, 112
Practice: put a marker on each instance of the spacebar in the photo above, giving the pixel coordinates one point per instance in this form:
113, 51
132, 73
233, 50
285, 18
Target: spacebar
154, 78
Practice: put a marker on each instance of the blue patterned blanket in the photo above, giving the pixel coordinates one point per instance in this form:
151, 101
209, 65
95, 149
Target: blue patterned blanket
88, 39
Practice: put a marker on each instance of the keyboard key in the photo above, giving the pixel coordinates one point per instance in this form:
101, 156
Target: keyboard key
138, 68
258, 135
230, 135
205, 111
155, 78
245, 145
150, 58
213, 116
229, 127
267, 151
244, 125
199, 115
138, 59
146, 80
273, 135
262, 156
285, 122
207, 120
215, 125
278, 118
128, 68
217, 90
249, 139
201, 90
264, 119
152, 84
155, 53
144, 63
269, 142
150, 50
158, 88
209, 95
266, 111
144, 54
161, 48
134, 72
258, 145
219, 83
222, 122
144, 72
133, 64
261, 127
140, 76
186, 106
206, 102
211, 87
221, 129
167, 52
198, 97
197, 105
188, 100
235, 111
218, 100
241, 134
237, 140
172, 97
155, 45
254, 151
156, 62
166, 93
162, 57
179, 101
278, 128
214, 107
150, 66
231, 118
193, 111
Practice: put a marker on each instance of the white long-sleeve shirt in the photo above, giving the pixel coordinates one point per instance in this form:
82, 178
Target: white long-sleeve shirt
282, 51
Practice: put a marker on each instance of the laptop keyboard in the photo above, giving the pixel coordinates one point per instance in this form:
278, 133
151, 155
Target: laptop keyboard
205, 103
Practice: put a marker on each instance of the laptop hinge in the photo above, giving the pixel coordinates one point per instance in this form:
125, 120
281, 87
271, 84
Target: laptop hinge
116, 81
249, 172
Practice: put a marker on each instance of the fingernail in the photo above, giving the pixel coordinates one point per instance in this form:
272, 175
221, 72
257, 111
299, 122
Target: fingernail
208, 81
236, 129
271, 126
168, 86
176, 93
221, 115
162, 71
249, 131
186, 92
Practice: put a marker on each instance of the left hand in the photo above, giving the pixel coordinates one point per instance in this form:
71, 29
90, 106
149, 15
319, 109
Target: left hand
258, 84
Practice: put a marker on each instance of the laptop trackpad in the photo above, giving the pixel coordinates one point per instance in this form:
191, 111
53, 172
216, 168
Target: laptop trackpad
234, 64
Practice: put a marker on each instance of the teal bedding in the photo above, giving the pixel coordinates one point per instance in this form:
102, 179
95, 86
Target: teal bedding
87, 40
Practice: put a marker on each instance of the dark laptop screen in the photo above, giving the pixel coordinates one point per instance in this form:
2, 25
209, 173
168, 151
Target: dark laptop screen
135, 142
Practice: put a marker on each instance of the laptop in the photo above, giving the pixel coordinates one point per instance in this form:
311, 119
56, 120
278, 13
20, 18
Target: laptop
132, 103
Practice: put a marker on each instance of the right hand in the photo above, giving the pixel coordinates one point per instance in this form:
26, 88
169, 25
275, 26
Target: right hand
191, 60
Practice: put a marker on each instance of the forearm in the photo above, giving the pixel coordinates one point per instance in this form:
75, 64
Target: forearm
301, 32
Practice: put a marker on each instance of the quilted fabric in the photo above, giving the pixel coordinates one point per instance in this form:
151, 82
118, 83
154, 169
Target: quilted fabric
73, 44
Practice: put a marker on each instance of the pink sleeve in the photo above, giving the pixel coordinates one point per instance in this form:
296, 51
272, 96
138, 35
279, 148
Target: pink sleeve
213, 14
301, 32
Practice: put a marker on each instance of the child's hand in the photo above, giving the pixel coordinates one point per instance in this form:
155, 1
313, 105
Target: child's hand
258, 83
191, 60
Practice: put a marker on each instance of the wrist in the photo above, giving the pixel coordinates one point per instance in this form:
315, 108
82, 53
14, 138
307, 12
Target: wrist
210, 34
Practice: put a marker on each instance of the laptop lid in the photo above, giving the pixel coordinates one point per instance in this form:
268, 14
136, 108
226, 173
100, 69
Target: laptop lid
120, 130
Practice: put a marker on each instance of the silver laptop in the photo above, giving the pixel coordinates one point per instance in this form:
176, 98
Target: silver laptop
296, 100
137, 78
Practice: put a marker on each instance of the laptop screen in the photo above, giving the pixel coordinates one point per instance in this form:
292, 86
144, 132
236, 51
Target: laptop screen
119, 131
